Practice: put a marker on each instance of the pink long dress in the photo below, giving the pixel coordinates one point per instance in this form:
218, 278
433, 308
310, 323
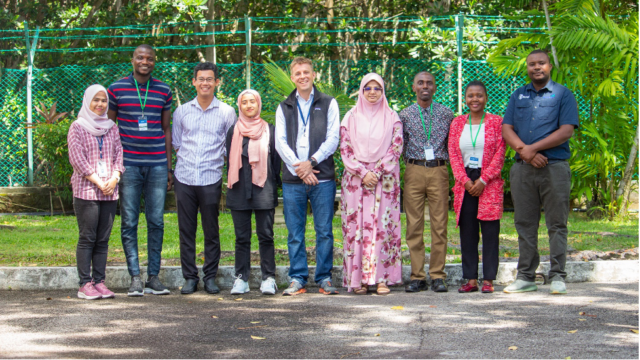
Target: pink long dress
371, 217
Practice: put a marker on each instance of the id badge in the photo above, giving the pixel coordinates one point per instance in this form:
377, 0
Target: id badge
304, 140
101, 168
142, 123
428, 153
474, 162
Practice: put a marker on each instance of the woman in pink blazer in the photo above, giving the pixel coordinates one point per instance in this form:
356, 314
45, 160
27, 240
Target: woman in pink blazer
476, 152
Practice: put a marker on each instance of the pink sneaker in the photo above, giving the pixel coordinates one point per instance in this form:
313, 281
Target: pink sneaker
102, 289
89, 292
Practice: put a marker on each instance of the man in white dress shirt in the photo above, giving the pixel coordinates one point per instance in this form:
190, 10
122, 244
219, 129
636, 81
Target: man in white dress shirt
307, 135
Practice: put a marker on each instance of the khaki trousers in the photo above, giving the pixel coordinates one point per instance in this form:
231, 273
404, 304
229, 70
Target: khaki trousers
432, 183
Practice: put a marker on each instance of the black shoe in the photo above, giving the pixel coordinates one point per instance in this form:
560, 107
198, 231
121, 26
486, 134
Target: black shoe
155, 287
438, 285
190, 286
136, 288
210, 286
416, 286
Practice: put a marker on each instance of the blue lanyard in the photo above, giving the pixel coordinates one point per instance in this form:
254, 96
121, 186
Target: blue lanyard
100, 141
304, 121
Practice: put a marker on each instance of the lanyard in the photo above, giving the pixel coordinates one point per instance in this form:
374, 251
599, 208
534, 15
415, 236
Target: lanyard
142, 106
423, 125
304, 121
473, 141
100, 141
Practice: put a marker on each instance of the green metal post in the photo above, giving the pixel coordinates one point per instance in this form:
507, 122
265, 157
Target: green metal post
31, 52
247, 28
459, 37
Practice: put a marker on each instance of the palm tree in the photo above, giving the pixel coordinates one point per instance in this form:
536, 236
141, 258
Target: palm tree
597, 56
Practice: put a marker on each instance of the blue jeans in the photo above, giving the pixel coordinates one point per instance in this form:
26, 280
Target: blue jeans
322, 197
152, 181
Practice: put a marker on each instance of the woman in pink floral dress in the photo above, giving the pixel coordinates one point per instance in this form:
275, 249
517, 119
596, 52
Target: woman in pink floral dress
371, 145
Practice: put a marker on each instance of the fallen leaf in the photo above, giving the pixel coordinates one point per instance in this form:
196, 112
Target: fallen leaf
49, 298
582, 313
214, 317
257, 337
251, 327
255, 322
68, 297
568, 358
347, 355
635, 331
582, 319
376, 335
433, 306
220, 299
513, 348
572, 331
397, 308
238, 299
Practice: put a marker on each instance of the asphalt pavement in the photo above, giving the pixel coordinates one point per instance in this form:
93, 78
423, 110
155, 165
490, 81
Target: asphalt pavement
593, 321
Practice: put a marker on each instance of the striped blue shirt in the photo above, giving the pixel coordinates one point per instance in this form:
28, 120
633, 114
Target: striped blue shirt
141, 147
199, 138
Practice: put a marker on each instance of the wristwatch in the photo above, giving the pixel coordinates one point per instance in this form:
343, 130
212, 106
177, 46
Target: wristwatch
314, 162
170, 171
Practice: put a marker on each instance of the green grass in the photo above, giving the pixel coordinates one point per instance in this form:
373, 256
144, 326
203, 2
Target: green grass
51, 241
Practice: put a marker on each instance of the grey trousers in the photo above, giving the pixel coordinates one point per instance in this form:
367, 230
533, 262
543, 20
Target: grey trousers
531, 189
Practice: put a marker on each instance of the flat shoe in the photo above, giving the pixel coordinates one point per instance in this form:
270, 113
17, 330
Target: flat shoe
362, 290
383, 289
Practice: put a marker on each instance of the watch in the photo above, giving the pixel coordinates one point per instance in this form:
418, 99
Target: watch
314, 162
170, 171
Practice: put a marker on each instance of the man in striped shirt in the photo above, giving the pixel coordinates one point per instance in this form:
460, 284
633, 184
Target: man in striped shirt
199, 135
141, 106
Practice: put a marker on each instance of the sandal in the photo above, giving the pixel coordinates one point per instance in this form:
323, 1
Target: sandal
362, 290
383, 289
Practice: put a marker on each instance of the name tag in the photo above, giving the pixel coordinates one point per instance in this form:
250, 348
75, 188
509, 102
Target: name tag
429, 154
101, 169
474, 162
142, 123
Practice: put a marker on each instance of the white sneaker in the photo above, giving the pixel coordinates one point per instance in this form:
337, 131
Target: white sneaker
240, 287
558, 288
269, 287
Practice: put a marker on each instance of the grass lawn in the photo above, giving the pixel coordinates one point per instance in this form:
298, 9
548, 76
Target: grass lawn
51, 241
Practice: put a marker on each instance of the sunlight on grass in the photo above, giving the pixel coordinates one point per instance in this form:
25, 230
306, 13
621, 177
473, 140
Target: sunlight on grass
51, 241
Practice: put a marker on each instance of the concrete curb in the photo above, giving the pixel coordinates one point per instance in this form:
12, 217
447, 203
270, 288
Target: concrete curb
59, 278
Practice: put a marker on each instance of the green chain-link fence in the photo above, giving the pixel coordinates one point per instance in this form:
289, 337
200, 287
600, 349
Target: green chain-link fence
66, 85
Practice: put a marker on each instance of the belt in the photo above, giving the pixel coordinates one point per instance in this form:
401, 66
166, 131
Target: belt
550, 161
427, 163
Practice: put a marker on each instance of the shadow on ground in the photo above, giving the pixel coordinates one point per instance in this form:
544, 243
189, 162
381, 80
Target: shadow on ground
429, 325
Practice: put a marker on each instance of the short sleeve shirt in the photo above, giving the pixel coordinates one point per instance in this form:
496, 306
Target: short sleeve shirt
141, 147
536, 114
416, 136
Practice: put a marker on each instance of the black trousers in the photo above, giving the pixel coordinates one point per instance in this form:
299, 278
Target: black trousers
189, 199
470, 237
95, 220
264, 230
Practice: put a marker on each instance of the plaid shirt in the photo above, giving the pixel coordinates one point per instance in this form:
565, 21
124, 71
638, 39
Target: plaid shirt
415, 137
84, 154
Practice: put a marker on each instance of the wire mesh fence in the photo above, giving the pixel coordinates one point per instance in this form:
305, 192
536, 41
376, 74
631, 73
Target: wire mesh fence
65, 86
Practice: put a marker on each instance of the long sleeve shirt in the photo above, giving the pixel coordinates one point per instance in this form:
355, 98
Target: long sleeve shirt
199, 135
84, 154
327, 148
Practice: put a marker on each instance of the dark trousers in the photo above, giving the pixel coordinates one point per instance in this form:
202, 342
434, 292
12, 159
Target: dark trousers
264, 230
189, 199
531, 189
470, 237
95, 220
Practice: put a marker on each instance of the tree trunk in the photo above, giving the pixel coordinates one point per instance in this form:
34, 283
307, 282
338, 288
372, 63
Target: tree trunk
87, 21
625, 183
211, 40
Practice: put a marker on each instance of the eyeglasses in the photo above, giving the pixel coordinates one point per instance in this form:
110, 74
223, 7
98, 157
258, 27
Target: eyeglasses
207, 80
372, 88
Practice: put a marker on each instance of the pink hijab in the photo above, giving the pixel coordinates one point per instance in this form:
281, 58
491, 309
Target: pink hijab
96, 125
370, 126
257, 130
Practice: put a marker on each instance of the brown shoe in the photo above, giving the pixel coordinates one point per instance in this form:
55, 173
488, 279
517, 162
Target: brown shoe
362, 290
383, 289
